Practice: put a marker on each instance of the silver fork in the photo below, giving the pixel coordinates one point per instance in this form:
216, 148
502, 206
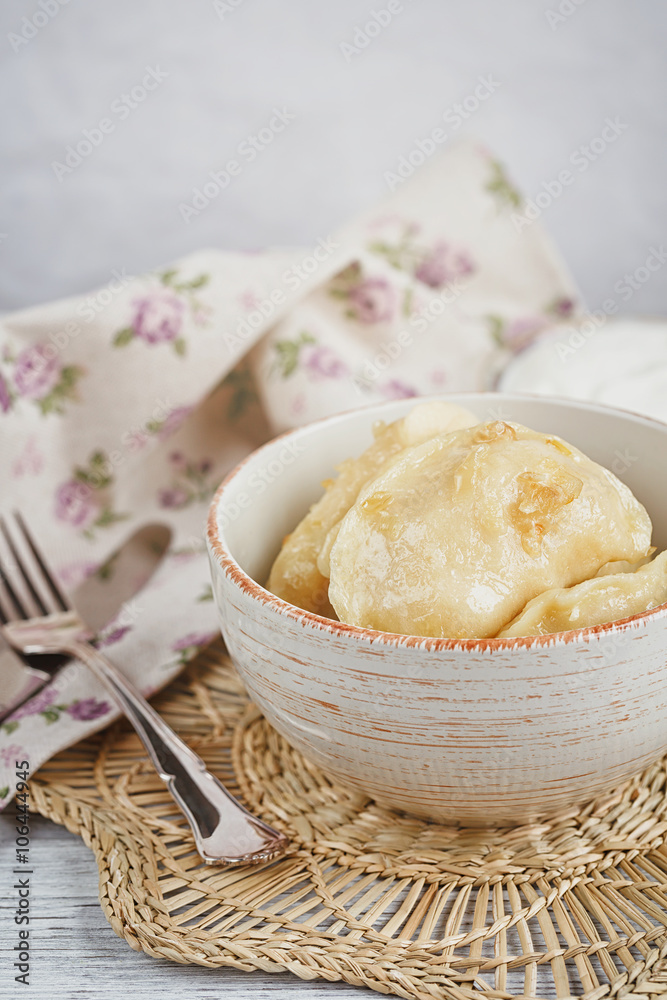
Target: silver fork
36, 618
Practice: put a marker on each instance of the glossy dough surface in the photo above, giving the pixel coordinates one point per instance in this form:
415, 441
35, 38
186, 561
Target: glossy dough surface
453, 537
606, 598
295, 575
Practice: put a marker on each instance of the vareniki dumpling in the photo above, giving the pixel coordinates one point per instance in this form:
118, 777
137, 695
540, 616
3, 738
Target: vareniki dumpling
295, 575
606, 598
457, 534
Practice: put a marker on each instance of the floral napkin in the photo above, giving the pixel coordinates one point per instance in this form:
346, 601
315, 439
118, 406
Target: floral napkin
126, 406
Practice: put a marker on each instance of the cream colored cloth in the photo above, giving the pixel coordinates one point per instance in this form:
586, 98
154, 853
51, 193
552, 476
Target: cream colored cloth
127, 405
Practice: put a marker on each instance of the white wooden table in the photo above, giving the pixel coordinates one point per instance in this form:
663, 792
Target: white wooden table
75, 955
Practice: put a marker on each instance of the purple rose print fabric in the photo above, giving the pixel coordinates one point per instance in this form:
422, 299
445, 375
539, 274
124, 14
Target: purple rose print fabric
131, 413
74, 504
373, 300
159, 316
87, 709
36, 374
443, 265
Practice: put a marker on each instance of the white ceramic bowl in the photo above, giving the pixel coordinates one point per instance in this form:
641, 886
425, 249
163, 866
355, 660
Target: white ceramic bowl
474, 731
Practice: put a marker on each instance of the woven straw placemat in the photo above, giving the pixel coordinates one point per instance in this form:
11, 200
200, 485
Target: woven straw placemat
574, 907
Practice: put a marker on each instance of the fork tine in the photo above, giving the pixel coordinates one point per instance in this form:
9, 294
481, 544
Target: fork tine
7, 614
24, 573
47, 577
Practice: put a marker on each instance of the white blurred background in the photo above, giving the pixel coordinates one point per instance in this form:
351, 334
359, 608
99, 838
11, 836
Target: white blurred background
562, 67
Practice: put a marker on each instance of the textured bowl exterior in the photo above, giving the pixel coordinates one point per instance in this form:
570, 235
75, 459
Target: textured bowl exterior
474, 732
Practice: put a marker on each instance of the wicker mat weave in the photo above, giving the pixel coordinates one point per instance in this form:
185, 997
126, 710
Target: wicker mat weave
575, 907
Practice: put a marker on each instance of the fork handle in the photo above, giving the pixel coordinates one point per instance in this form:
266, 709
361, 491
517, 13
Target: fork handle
224, 831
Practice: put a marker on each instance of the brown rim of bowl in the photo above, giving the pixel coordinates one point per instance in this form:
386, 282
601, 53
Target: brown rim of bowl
429, 643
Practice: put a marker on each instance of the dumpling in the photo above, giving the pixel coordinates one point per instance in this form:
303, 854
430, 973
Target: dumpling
623, 566
606, 598
457, 534
295, 576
